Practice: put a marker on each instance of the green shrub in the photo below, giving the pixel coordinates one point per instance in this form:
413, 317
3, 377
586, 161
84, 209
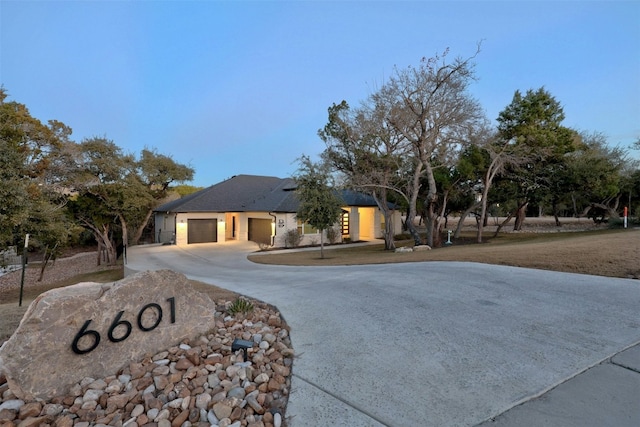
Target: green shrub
292, 239
333, 235
240, 305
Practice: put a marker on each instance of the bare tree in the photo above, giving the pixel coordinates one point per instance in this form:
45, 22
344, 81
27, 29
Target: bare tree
432, 109
368, 153
502, 153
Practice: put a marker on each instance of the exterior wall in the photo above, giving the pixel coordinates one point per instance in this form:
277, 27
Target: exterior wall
231, 221
368, 223
364, 223
354, 223
243, 223
284, 223
288, 221
164, 227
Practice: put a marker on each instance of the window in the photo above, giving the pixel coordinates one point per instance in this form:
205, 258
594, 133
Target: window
344, 223
305, 228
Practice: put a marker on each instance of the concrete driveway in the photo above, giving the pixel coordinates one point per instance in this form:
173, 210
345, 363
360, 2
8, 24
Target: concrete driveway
422, 344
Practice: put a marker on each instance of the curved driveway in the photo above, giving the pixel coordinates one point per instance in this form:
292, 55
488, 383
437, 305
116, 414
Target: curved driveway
421, 344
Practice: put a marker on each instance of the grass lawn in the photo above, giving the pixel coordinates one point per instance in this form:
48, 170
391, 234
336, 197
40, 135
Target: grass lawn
612, 253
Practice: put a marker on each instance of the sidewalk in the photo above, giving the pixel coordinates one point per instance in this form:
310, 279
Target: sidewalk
607, 394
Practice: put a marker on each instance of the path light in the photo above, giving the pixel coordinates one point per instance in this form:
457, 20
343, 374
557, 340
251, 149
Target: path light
243, 345
448, 242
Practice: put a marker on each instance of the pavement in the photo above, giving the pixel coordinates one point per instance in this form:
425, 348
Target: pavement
439, 343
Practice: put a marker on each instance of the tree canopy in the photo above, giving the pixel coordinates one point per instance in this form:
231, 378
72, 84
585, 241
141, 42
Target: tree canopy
423, 140
50, 186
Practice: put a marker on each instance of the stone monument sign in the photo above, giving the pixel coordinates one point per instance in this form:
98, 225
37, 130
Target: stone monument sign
95, 329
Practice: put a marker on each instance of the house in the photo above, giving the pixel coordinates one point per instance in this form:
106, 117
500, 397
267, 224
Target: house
260, 209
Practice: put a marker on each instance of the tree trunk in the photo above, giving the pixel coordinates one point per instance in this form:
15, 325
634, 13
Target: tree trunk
322, 244
125, 238
554, 206
521, 214
125, 231
99, 254
135, 239
483, 211
463, 217
411, 214
104, 242
430, 223
576, 214
505, 222
389, 238
431, 200
438, 226
45, 260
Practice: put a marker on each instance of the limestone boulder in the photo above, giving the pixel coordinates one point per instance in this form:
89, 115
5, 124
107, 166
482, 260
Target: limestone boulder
95, 329
403, 249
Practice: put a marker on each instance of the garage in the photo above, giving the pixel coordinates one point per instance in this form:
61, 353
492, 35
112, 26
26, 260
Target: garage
260, 230
202, 230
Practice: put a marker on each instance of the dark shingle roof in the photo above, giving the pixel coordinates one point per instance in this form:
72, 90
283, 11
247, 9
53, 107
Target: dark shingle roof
243, 193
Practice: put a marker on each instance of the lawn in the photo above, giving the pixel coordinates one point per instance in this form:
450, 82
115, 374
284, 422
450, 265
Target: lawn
611, 253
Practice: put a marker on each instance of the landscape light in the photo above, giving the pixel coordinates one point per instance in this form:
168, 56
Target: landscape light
243, 345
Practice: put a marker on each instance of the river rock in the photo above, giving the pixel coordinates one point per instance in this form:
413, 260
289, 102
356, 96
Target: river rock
94, 329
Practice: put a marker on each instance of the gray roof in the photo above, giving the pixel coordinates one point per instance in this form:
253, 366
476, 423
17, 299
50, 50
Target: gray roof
244, 193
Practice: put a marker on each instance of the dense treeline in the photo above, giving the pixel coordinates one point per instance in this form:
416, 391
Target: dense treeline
57, 190
423, 141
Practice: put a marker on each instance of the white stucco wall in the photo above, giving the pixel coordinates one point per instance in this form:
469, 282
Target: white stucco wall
364, 223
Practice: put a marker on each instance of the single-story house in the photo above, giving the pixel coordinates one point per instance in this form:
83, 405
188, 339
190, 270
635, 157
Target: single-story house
260, 209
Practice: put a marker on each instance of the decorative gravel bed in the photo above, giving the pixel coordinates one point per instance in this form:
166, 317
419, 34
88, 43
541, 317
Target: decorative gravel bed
195, 383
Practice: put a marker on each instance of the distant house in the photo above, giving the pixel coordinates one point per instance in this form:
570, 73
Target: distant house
260, 209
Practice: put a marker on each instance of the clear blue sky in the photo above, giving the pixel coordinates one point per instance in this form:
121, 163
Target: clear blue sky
240, 87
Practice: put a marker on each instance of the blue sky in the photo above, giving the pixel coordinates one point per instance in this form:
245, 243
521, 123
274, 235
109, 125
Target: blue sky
239, 87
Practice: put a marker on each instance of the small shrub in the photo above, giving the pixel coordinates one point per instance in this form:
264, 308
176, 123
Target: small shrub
240, 305
292, 239
333, 235
263, 246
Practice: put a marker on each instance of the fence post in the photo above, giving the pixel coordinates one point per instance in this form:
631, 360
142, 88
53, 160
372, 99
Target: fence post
24, 263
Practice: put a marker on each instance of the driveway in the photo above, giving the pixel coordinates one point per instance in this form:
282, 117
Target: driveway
421, 344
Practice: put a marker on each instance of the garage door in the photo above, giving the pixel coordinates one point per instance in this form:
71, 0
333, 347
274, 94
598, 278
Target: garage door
202, 230
260, 230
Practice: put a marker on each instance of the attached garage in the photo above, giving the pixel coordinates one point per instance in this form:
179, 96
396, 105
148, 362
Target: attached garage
202, 230
260, 230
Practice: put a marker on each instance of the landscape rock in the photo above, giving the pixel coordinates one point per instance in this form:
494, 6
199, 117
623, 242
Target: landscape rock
221, 380
92, 329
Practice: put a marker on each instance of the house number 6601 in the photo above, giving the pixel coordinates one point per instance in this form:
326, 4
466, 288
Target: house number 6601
121, 329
